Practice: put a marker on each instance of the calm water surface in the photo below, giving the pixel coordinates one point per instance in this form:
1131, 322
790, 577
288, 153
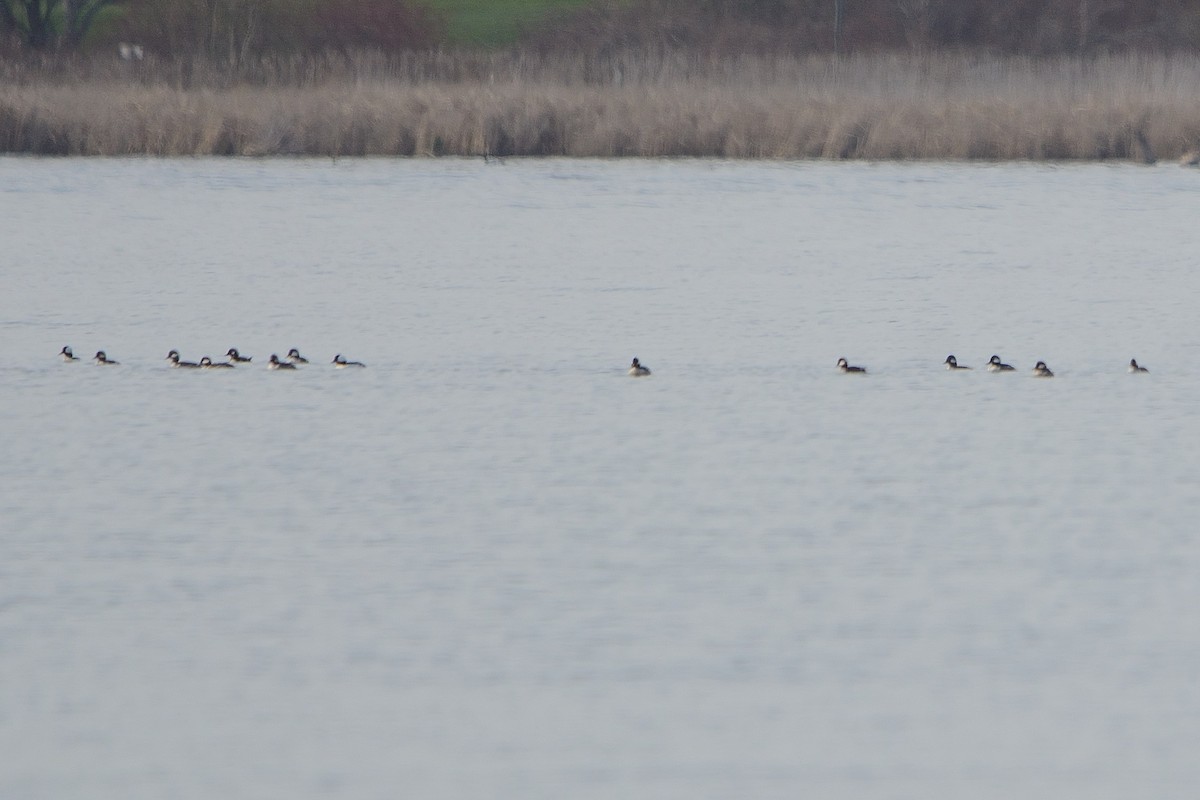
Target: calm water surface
492, 566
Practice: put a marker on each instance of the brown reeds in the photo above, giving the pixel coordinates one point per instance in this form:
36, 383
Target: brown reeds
869, 107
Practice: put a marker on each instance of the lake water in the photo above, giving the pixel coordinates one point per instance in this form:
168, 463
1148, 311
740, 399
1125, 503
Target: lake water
491, 565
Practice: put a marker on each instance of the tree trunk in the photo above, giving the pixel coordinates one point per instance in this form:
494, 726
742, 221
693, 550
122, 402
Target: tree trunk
37, 16
1085, 26
71, 32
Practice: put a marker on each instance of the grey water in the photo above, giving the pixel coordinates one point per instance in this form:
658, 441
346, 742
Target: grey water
491, 564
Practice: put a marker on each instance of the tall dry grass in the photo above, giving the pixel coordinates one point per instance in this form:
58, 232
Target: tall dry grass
869, 107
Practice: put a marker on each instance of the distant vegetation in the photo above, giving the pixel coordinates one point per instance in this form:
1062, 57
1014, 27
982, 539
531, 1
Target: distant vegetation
720, 28
872, 107
245, 28
804, 27
889, 79
494, 23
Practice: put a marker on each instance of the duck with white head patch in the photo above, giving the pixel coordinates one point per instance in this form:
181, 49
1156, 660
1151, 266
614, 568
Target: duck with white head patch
637, 369
173, 357
996, 365
952, 363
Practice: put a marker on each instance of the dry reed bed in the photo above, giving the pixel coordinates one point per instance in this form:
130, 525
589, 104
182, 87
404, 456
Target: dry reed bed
871, 107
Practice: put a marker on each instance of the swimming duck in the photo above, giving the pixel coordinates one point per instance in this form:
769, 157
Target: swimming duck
1133, 366
101, 358
341, 363
295, 357
952, 363
208, 363
275, 363
637, 370
844, 366
237, 358
173, 357
994, 365
67, 355
1040, 370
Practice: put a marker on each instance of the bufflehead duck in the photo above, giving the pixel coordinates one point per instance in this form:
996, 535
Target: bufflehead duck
295, 357
275, 363
1040, 370
637, 370
67, 355
994, 365
173, 357
1133, 366
844, 366
101, 358
952, 363
237, 358
208, 363
341, 363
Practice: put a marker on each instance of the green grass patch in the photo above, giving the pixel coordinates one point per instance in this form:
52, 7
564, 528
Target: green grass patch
490, 23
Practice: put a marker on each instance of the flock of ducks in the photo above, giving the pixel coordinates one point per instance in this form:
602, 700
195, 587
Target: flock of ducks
1040, 370
994, 364
636, 368
291, 361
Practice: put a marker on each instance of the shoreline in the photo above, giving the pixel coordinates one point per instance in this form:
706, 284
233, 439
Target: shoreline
878, 108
